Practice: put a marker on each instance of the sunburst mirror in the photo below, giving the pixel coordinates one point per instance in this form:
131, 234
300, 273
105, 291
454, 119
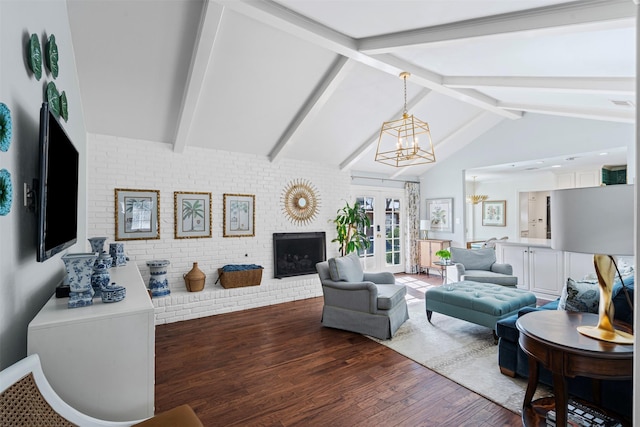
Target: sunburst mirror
301, 201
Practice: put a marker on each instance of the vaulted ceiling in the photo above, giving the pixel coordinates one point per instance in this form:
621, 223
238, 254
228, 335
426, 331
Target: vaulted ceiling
314, 79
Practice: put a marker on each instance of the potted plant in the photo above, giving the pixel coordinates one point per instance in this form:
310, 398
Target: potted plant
444, 255
351, 224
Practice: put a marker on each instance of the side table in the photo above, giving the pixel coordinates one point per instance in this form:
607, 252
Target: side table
443, 269
550, 337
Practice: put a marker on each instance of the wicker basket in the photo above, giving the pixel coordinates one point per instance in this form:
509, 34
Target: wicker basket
237, 279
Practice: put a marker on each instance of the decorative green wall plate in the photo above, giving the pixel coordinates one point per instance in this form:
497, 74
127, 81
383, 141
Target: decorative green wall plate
35, 56
64, 106
53, 98
6, 192
5, 127
51, 56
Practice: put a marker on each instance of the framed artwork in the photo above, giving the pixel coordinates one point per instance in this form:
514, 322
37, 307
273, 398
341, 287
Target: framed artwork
239, 215
137, 214
494, 213
440, 214
192, 215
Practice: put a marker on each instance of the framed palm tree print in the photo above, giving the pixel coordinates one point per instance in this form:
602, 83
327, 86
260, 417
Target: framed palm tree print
192, 215
137, 214
239, 215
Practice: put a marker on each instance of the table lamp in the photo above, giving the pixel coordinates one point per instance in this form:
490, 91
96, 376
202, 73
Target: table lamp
425, 226
596, 220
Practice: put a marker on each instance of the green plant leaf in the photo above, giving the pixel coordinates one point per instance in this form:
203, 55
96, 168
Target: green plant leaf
351, 222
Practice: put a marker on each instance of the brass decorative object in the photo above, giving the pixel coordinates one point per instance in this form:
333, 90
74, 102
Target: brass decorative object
474, 199
399, 143
604, 330
477, 198
301, 202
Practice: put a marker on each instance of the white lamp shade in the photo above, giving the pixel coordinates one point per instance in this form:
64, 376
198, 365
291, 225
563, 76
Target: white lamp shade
425, 225
593, 220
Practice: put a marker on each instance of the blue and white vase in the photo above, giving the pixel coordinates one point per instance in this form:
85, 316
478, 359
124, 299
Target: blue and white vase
79, 270
158, 283
101, 277
97, 244
116, 250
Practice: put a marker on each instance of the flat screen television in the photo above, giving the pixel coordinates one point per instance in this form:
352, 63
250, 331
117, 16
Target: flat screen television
56, 189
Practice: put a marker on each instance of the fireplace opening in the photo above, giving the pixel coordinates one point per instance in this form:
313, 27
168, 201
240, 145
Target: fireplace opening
296, 254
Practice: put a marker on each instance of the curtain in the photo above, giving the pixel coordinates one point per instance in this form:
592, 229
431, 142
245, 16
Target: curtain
412, 231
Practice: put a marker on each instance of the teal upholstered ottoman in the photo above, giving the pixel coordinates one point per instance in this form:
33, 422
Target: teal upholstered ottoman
480, 303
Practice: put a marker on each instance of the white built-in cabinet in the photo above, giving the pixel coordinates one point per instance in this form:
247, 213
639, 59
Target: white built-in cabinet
539, 268
100, 359
579, 179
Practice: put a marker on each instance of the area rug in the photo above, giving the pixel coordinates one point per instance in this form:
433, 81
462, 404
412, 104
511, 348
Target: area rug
461, 351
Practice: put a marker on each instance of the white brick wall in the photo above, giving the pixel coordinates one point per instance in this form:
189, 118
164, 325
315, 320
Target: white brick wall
119, 163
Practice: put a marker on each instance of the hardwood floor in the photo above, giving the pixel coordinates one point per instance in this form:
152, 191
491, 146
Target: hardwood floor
277, 366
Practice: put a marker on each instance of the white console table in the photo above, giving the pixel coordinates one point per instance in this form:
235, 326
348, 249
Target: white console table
100, 359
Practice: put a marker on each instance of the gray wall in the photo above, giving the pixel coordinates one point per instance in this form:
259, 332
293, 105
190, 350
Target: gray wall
25, 284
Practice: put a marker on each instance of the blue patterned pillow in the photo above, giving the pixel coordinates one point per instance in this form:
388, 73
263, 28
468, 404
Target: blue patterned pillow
580, 296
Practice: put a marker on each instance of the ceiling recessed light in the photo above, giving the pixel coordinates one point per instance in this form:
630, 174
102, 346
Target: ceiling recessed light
539, 162
603, 154
556, 166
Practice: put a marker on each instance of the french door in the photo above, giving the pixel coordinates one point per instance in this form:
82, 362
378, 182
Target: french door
385, 210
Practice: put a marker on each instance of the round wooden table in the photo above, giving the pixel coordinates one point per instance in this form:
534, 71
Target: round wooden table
550, 337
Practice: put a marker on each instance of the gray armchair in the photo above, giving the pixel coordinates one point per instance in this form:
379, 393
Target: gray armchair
366, 303
479, 265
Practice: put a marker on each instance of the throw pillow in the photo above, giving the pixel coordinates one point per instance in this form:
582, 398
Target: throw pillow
346, 268
474, 259
580, 296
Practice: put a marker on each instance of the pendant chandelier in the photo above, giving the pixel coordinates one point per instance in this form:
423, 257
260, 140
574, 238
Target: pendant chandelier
399, 144
476, 198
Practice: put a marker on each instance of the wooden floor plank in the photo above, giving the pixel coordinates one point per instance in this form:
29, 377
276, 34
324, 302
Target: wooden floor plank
277, 366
